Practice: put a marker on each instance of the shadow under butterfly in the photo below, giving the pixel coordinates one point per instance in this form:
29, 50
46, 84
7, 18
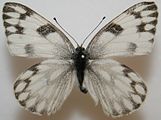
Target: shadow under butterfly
43, 88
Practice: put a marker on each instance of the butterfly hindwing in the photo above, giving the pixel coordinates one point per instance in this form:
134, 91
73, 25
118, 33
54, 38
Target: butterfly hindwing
43, 88
115, 86
129, 34
31, 35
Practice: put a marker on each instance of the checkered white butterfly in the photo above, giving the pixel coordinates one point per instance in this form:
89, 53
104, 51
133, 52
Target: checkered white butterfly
43, 88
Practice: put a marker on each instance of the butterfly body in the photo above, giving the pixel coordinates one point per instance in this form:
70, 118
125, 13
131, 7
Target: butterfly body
80, 58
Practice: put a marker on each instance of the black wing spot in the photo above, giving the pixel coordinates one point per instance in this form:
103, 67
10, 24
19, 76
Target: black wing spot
45, 30
114, 28
132, 47
151, 41
29, 49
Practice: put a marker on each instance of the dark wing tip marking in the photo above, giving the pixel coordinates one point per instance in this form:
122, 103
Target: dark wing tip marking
8, 9
45, 30
152, 7
147, 3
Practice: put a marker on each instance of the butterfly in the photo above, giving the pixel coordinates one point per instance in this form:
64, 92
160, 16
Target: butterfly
43, 87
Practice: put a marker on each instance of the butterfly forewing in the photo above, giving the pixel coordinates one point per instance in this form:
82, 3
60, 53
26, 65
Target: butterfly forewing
119, 89
129, 34
31, 35
43, 88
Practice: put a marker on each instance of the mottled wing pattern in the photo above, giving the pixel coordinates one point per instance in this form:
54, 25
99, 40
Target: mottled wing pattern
31, 35
115, 86
43, 88
131, 33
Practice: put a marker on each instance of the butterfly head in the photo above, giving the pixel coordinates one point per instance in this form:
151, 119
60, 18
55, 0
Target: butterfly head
81, 53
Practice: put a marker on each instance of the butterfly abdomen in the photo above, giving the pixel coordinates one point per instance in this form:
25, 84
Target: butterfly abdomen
80, 58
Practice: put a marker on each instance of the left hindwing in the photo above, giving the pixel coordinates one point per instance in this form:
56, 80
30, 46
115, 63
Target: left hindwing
31, 35
118, 88
43, 88
131, 33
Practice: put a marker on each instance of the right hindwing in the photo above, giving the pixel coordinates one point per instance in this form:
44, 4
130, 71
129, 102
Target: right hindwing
115, 86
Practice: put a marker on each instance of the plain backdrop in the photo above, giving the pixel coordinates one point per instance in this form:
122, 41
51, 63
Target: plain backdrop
79, 17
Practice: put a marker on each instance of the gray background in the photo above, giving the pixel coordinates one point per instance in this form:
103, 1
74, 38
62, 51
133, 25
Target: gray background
79, 18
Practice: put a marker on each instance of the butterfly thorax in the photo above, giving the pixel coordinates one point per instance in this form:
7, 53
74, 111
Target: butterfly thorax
80, 57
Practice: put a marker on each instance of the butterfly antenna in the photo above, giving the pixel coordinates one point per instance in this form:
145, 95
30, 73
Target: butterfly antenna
93, 30
65, 31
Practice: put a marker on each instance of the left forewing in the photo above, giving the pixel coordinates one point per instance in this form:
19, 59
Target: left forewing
131, 33
118, 88
31, 35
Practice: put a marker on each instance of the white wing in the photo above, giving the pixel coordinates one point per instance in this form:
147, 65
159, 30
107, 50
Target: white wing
31, 35
43, 88
119, 89
131, 33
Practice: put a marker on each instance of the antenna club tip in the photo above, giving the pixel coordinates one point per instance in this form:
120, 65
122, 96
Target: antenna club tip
54, 18
103, 17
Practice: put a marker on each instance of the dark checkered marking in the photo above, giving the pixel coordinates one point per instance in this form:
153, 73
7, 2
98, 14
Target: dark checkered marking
141, 28
6, 17
19, 29
114, 28
155, 14
136, 14
126, 70
133, 84
45, 30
